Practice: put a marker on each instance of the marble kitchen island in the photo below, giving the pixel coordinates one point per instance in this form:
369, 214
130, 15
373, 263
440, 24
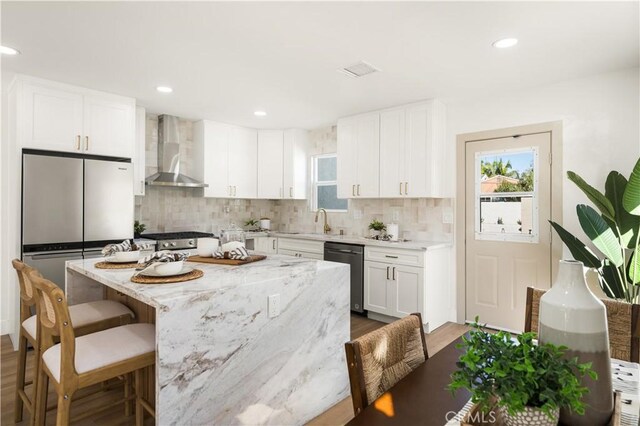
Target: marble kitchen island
220, 358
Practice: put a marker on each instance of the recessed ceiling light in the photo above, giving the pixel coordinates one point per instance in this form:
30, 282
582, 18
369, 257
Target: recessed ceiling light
259, 113
164, 89
6, 50
505, 42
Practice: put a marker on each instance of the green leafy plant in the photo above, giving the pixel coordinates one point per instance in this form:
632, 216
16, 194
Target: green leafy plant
377, 225
500, 221
614, 229
138, 228
519, 373
251, 223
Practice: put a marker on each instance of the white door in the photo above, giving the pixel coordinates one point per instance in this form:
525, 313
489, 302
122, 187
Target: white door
377, 296
266, 245
53, 119
109, 127
408, 284
296, 146
508, 244
243, 163
347, 158
368, 156
270, 164
392, 147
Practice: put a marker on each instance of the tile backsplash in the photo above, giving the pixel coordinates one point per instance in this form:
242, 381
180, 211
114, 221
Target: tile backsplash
178, 209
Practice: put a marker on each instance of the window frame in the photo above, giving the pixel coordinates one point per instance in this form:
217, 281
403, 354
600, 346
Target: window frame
315, 183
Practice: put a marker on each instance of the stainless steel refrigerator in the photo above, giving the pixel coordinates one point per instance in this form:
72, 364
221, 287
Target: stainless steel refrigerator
73, 205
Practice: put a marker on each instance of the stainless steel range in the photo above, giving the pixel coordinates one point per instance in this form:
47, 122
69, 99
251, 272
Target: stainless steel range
176, 240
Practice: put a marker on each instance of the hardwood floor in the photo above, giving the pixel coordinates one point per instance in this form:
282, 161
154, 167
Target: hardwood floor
336, 415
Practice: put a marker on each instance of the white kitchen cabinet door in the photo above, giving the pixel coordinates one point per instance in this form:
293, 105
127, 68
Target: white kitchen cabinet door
408, 287
243, 163
214, 140
392, 153
266, 245
52, 118
270, 164
417, 159
347, 158
109, 126
138, 159
296, 149
377, 295
368, 156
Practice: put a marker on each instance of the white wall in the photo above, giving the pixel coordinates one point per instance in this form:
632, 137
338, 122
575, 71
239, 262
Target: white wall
600, 115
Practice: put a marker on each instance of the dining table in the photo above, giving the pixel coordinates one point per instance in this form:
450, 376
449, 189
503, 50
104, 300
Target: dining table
422, 397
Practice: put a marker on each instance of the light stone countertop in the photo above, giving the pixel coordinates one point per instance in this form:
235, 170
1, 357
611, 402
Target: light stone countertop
351, 239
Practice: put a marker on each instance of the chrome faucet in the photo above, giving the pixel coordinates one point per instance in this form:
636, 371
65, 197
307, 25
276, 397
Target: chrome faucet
327, 228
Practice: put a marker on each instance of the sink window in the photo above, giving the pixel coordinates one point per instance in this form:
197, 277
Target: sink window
325, 185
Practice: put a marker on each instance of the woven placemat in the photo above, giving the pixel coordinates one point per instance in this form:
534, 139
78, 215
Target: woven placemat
193, 275
110, 265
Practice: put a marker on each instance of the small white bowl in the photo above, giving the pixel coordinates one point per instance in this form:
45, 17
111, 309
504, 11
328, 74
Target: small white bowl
169, 268
127, 256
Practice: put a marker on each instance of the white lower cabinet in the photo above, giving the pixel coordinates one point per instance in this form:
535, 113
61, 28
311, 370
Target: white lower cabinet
396, 284
266, 245
301, 248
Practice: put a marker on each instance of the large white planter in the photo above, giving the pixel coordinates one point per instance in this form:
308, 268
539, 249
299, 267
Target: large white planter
571, 315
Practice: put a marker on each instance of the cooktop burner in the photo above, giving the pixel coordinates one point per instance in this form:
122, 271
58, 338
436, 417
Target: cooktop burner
176, 235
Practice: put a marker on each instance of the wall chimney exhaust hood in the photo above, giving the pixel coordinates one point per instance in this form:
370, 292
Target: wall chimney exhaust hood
169, 157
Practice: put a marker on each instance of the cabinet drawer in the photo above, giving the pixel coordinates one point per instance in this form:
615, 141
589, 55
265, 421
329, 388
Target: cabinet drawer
304, 254
302, 245
395, 256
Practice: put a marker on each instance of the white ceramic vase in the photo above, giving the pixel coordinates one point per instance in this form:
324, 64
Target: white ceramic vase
571, 315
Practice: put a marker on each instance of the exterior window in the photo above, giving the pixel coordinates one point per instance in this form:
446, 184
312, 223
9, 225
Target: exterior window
507, 195
325, 185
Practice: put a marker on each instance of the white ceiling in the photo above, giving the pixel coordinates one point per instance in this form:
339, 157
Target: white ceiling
225, 60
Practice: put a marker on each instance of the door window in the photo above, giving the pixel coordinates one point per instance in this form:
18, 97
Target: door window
507, 195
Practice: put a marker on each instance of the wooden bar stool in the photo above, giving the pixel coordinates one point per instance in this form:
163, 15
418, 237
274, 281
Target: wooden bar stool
78, 362
86, 317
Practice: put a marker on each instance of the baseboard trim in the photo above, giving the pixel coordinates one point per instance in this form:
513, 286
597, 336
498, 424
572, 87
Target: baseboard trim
387, 319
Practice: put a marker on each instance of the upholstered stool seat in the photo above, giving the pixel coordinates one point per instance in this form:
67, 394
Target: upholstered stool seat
85, 314
97, 350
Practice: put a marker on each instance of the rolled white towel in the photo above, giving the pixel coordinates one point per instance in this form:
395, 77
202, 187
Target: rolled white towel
109, 249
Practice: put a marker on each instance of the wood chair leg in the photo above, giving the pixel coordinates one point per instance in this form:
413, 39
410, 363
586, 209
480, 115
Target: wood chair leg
20, 379
128, 391
38, 417
64, 409
139, 407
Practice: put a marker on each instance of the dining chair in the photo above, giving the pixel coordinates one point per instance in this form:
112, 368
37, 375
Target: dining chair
379, 359
622, 320
87, 318
78, 362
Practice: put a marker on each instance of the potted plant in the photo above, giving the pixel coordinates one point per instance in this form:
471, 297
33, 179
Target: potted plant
376, 227
518, 378
138, 228
251, 224
614, 229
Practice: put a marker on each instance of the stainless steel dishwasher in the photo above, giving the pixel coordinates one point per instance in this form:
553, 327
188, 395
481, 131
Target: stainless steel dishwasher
353, 255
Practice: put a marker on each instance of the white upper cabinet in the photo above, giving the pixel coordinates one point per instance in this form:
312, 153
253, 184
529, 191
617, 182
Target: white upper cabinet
227, 159
295, 158
404, 147
243, 163
139, 153
109, 126
359, 156
270, 164
59, 117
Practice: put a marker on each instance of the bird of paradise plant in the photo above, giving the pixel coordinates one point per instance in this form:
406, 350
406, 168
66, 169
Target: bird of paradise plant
614, 230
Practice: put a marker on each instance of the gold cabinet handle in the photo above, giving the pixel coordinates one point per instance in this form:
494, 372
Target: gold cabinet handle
353, 190
358, 190
387, 273
274, 244
400, 188
86, 143
78, 143
394, 274
406, 188
291, 192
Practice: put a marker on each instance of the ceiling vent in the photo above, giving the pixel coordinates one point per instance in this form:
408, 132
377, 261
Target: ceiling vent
360, 69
